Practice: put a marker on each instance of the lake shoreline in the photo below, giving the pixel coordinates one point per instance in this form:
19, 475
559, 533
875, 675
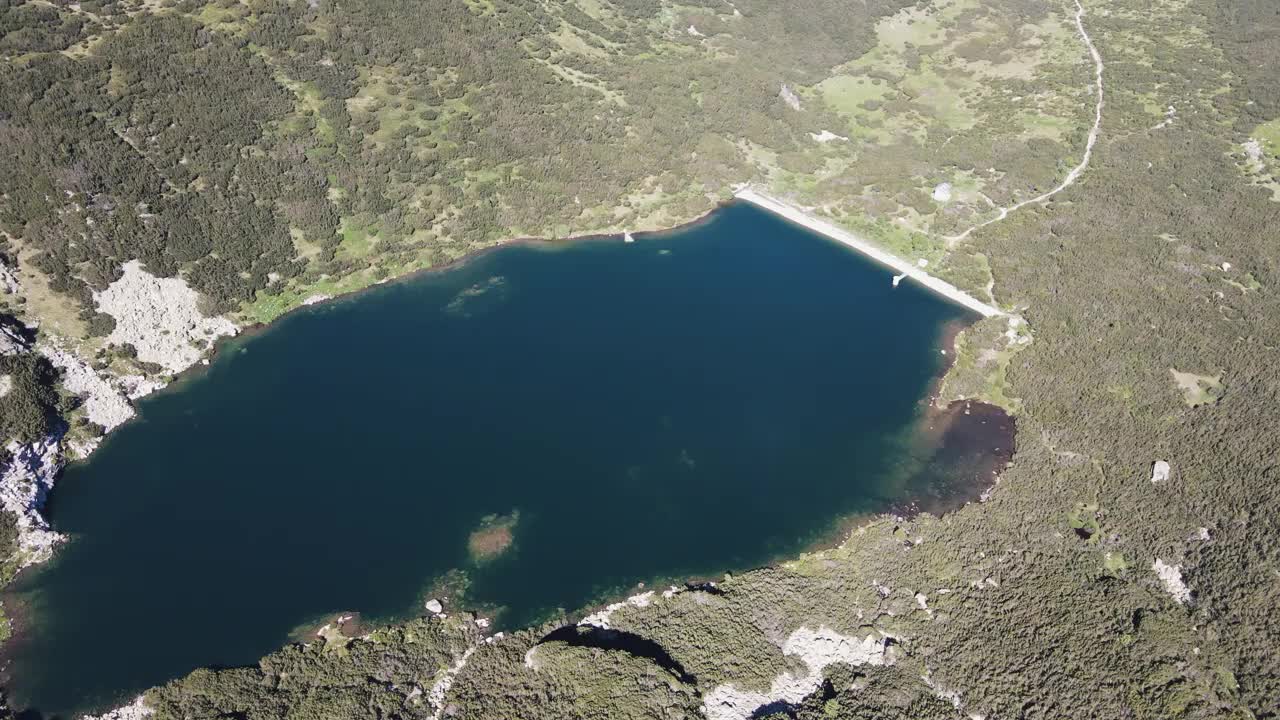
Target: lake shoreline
474, 255
762, 201
471, 256
254, 329
958, 421
948, 348
952, 422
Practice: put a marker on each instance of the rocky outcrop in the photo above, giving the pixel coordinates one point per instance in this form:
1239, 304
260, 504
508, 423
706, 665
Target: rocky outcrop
1159, 471
136, 386
790, 98
444, 681
136, 710
10, 341
25, 481
160, 318
1171, 578
815, 649
8, 280
827, 136
601, 618
28, 475
26, 478
1253, 151
104, 402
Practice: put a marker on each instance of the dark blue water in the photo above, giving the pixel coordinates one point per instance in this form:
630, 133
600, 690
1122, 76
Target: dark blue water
695, 402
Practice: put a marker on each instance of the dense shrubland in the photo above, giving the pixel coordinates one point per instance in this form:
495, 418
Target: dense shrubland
27, 409
379, 136
30, 403
232, 143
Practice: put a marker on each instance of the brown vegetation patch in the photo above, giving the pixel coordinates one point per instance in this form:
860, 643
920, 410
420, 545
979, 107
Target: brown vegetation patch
493, 537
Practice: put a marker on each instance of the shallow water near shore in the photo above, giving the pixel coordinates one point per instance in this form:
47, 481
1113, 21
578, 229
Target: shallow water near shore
601, 413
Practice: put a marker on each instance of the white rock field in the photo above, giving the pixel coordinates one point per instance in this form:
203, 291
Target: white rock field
104, 403
24, 482
160, 317
816, 649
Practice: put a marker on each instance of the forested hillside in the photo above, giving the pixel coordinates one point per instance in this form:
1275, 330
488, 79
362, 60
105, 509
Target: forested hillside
269, 151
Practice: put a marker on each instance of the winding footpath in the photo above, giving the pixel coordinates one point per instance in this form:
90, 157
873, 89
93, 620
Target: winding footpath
1078, 170
798, 215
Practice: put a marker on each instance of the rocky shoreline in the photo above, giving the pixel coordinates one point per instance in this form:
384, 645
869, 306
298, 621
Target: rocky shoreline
168, 330
25, 482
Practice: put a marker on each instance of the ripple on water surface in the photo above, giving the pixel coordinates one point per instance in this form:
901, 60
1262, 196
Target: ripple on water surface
549, 425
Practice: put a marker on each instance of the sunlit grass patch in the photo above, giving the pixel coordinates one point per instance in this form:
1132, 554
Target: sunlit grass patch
848, 93
1196, 389
1269, 135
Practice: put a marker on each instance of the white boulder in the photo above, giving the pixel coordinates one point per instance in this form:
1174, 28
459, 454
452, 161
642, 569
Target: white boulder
790, 98
1159, 471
